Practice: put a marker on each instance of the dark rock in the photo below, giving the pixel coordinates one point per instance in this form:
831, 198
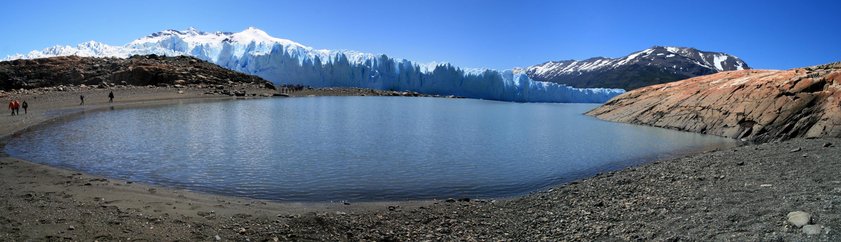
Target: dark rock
158, 71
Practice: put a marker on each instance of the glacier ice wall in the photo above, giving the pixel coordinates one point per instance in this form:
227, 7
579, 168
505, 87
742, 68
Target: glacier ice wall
385, 73
283, 61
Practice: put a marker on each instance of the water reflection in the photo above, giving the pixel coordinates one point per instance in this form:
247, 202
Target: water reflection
351, 148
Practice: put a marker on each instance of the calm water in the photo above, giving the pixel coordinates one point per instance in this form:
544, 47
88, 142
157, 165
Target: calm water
352, 148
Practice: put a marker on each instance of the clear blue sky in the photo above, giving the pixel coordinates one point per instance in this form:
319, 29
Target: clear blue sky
494, 34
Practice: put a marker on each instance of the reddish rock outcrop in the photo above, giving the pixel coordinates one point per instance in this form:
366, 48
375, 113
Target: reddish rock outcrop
757, 105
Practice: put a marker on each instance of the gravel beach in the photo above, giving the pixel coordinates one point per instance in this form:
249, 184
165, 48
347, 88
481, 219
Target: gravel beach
781, 191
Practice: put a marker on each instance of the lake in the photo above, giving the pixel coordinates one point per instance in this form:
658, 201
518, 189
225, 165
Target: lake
352, 148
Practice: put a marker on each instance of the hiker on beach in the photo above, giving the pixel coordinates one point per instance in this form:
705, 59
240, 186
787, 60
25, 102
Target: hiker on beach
15, 107
24, 105
111, 97
12, 106
82, 97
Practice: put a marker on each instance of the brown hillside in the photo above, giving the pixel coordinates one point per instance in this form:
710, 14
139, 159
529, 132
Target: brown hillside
137, 70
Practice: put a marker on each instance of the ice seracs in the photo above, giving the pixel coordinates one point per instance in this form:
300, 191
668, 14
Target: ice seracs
284, 61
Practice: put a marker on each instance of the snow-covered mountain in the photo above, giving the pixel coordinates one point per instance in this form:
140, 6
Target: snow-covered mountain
651, 66
283, 61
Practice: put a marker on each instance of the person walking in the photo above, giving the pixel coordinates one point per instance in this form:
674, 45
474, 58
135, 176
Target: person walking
25, 106
82, 97
16, 107
111, 97
12, 106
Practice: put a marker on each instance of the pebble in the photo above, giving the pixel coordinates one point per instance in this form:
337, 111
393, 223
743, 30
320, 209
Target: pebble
812, 229
71, 228
799, 218
796, 150
827, 144
217, 238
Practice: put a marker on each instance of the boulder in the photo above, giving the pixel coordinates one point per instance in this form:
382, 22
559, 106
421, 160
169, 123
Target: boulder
799, 218
812, 229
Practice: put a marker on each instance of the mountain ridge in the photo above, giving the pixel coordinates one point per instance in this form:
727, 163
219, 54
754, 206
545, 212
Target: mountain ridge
655, 65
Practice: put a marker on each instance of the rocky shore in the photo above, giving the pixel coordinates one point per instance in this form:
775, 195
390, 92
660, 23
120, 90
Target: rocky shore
742, 194
753, 105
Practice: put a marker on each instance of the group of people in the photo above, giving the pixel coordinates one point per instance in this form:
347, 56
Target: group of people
15, 106
292, 88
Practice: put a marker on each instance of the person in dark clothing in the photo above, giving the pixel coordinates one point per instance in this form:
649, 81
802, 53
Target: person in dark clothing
24, 105
111, 97
82, 97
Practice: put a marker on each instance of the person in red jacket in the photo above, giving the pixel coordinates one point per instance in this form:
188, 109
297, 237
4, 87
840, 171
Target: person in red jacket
14, 105
17, 107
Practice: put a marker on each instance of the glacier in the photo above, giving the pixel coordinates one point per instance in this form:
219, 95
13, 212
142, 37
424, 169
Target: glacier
283, 61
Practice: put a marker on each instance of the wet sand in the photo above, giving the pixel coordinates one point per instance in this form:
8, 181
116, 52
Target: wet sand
741, 194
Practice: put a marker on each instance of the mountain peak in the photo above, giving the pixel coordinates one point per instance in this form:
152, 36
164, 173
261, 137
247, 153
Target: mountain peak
254, 30
252, 34
657, 64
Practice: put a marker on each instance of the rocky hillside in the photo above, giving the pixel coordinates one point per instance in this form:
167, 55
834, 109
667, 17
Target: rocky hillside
647, 67
136, 70
758, 105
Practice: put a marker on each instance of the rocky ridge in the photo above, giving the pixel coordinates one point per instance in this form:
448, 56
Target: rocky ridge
755, 105
109, 72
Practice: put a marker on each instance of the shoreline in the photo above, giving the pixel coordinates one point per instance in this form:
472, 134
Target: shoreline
84, 207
